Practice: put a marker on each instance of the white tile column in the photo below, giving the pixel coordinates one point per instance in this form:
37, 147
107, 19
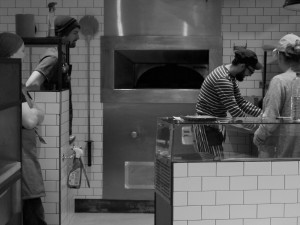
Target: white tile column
59, 201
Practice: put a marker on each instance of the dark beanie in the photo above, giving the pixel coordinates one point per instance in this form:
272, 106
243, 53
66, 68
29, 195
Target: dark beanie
64, 25
9, 44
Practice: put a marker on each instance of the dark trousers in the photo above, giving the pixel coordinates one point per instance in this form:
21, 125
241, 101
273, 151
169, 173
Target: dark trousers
33, 212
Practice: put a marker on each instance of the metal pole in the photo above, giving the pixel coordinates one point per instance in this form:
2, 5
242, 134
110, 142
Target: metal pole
264, 74
89, 141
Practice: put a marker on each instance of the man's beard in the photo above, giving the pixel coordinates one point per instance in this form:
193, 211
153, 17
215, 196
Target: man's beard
72, 44
240, 76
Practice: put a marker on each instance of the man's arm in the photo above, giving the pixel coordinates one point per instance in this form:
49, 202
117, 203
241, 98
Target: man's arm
43, 70
225, 89
35, 81
245, 105
272, 105
248, 107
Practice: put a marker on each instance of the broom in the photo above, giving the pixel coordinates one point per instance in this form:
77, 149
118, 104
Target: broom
89, 27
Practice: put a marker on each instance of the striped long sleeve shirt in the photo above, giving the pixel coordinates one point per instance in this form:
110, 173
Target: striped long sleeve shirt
220, 94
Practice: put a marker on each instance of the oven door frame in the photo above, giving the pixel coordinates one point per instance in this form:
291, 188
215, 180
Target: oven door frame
111, 43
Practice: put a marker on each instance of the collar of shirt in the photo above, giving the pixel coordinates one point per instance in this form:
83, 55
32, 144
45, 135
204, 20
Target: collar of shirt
231, 77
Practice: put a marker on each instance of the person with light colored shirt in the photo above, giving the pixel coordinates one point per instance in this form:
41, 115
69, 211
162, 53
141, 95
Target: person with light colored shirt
280, 140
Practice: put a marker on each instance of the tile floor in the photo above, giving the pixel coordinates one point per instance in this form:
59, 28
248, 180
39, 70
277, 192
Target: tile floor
113, 219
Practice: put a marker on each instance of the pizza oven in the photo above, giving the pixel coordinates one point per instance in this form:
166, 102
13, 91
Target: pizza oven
153, 64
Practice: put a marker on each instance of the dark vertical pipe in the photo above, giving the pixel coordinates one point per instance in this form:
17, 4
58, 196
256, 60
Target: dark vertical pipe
59, 49
89, 141
89, 153
264, 74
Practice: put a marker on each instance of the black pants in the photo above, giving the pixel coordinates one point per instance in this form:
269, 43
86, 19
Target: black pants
33, 212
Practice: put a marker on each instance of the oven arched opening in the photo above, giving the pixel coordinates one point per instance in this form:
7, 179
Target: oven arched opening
170, 76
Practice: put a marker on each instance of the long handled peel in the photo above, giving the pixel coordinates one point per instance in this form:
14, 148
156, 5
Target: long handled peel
89, 27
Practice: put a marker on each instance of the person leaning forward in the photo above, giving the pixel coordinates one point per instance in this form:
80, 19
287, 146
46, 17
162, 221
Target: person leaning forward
220, 94
44, 76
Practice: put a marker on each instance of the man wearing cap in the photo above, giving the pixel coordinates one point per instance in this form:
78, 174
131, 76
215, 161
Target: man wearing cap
275, 140
44, 76
220, 95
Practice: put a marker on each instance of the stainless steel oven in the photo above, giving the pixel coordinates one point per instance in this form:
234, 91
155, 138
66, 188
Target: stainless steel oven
149, 71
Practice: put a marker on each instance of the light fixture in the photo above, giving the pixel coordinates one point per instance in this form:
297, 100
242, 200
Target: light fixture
292, 5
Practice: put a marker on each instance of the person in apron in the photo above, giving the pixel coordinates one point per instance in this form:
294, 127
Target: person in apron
220, 95
12, 46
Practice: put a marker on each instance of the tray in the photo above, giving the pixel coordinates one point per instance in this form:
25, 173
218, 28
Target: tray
199, 118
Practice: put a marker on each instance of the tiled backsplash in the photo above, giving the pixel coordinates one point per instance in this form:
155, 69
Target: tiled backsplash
236, 193
78, 59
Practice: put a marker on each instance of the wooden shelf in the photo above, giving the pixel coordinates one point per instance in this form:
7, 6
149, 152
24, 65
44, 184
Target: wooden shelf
43, 41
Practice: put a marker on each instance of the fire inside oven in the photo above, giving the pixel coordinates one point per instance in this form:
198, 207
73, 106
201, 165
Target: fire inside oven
160, 69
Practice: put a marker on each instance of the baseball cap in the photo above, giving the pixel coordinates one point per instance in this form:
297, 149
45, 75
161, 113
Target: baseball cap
248, 57
286, 40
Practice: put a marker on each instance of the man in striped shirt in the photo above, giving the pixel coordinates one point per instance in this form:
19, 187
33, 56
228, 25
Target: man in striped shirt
220, 94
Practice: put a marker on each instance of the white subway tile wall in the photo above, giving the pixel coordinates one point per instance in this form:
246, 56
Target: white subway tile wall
59, 200
78, 58
233, 197
255, 22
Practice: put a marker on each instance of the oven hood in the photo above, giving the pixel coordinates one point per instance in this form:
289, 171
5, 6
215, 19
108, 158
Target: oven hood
162, 17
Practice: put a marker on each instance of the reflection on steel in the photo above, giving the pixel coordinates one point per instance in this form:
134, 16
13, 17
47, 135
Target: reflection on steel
162, 17
119, 20
185, 29
138, 37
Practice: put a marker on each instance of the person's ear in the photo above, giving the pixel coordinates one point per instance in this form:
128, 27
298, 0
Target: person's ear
241, 66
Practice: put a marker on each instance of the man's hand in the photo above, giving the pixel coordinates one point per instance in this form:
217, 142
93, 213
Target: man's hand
258, 140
